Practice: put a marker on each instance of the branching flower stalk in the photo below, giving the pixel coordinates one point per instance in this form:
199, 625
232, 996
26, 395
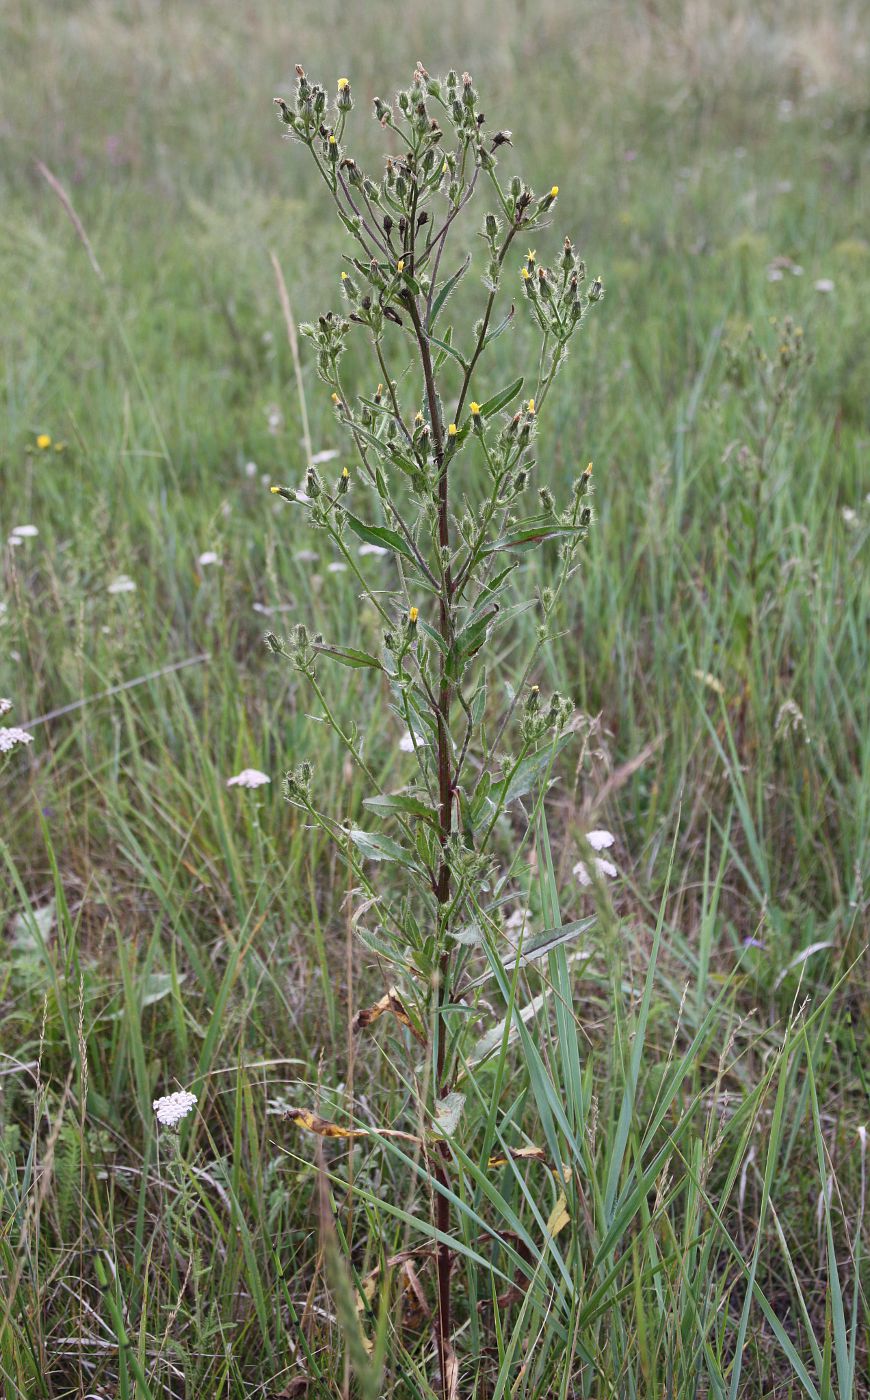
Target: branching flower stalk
455, 559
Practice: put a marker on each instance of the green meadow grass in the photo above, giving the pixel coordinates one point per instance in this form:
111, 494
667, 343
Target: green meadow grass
161, 930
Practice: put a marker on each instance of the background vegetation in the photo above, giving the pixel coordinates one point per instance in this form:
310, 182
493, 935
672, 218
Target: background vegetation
159, 929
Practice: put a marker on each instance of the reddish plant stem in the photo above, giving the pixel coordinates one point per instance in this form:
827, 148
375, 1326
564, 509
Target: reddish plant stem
443, 1258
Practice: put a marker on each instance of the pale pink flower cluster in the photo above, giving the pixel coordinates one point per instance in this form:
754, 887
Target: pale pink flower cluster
249, 778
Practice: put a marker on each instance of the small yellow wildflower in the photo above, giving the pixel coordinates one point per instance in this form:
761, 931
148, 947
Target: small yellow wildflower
531, 406
554, 191
451, 431
400, 265
335, 399
413, 614
43, 441
344, 277
475, 409
274, 490
343, 83
531, 254
331, 140
345, 473
524, 273
588, 471
418, 417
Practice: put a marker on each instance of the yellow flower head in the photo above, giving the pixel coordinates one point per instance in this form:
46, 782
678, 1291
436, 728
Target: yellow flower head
451, 431
445, 167
531, 255
274, 490
331, 140
531, 406
475, 409
400, 265
554, 191
43, 441
345, 473
418, 417
413, 614
344, 277
524, 273
588, 471
335, 399
343, 83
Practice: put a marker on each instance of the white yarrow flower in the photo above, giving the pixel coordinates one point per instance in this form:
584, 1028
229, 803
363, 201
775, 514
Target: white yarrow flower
824, 284
337, 566
372, 549
172, 1108
24, 532
12, 737
5, 706
599, 841
249, 778
326, 455
122, 584
209, 556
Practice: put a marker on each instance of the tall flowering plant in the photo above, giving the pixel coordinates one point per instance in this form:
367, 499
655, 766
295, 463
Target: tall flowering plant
444, 481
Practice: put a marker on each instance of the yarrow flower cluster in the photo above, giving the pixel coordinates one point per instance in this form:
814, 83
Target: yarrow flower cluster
172, 1108
249, 778
11, 738
599, 841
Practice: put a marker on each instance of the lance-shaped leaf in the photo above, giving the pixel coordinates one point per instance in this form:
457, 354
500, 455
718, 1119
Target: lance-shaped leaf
528, 539
501, 399
349, 656
528, 773
374, 847
379, 534
445, 292
539, 946
400, 804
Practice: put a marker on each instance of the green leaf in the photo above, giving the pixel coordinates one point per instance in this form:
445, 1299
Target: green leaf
497, 330
445, 292
393, 804
529, 771
448, 349
540, 946
527, 539
379, 534
500, 400
349, 656
374, 847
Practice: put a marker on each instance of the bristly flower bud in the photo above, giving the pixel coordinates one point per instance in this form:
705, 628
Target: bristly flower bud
546, 498
383, 113
596, 291
344, 101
